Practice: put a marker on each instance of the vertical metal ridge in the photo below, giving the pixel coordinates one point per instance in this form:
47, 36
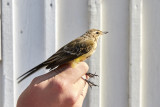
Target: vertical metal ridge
50, 27
94, 12
7, 54
135, 54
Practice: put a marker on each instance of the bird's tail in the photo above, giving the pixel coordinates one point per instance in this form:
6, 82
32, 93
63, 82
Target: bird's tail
28, 73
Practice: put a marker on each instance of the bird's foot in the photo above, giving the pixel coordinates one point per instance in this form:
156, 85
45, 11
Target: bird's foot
89, 82
92, 75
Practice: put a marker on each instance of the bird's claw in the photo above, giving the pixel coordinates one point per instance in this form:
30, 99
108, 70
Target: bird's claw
92, 75
89, 83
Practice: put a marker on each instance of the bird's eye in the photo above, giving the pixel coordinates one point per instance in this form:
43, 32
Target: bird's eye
97, 32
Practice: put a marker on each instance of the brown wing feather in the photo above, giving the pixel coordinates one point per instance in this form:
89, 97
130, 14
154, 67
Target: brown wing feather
69, 52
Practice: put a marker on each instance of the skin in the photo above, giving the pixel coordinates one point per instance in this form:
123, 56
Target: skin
66, 89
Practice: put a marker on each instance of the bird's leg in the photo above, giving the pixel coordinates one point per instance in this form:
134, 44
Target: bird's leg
89, 82
91, 75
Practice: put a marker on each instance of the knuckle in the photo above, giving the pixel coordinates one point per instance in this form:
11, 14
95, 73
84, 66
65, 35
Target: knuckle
59, 85
71, 98
34, 80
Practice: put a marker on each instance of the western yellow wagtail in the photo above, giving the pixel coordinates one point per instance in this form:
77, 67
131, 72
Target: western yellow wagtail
75, 51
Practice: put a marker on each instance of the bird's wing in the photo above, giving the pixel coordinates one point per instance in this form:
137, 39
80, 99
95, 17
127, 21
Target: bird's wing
72, 50
79, 47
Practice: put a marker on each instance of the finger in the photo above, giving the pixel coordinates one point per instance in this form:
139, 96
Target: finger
56, 71
84, 91
82, 96
66, 72
52, 73
74, 74
80, 84
81, 81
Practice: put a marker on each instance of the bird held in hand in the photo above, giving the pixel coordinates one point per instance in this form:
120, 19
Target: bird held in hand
75, 51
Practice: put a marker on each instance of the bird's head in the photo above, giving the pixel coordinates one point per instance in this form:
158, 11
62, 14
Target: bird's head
95, 33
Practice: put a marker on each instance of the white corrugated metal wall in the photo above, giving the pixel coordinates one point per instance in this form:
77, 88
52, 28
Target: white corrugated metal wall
127, 59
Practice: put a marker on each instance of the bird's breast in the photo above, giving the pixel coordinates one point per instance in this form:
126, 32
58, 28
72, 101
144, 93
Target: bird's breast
87, 55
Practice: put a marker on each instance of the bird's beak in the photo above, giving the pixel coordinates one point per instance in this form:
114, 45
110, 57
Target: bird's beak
105, 32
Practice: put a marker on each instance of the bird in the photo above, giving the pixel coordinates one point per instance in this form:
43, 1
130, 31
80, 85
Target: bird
76, 51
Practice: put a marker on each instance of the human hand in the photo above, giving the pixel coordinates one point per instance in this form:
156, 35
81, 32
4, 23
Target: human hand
66, 89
